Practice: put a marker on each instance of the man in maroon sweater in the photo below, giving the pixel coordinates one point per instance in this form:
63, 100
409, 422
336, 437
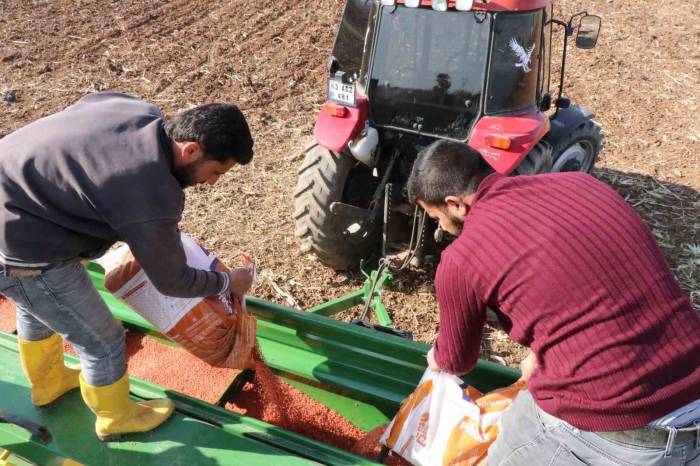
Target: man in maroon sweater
574, 274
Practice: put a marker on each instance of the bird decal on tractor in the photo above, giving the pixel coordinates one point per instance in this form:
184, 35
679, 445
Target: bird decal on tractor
522, 54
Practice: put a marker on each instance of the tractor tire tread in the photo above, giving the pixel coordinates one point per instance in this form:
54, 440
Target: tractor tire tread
322, 176
589, 129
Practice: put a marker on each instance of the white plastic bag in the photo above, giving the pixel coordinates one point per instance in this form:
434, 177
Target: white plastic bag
446, 422
216, 329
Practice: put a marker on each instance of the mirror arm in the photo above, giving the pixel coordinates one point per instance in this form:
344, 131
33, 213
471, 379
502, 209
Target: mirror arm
569, 26
568, 31
556, 21
566, 26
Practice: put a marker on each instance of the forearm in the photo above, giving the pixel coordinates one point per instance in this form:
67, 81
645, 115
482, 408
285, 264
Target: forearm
189, 282
158, 249
462, 317
456, 357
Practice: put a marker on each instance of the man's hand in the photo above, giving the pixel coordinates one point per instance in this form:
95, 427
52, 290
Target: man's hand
432, 365
528, 365
241, 281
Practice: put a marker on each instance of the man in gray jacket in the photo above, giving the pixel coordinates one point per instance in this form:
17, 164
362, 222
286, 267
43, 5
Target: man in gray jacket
108, 168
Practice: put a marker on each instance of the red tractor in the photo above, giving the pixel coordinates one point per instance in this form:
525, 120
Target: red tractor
404, 73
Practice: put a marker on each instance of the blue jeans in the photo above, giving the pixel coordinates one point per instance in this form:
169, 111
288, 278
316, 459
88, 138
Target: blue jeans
531, 437
63, 300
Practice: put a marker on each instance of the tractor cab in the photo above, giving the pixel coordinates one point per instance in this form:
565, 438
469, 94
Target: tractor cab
425, 70
405, 73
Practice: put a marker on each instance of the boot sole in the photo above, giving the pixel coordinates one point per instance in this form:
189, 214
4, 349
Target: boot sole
46, 403
112, 437
119, 436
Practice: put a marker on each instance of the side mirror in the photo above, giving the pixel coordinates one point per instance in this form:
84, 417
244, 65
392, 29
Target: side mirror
588, 30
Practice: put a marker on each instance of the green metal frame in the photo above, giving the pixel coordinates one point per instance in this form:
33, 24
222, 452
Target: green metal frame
361, 373
370, 295
198, 433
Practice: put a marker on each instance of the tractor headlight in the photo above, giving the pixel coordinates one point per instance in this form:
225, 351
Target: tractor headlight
465, 5
439, 5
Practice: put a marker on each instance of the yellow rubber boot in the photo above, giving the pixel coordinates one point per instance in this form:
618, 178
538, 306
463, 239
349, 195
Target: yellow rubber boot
117, 414
42, 363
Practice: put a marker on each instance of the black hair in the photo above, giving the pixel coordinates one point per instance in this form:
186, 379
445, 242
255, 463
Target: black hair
446, 168
220, 129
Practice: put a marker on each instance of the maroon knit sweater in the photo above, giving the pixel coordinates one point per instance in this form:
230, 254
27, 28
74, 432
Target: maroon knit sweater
573, 273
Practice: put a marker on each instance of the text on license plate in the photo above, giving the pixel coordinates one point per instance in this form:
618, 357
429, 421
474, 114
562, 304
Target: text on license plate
340, 92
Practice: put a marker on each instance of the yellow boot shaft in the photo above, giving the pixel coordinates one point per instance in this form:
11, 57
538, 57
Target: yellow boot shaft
42, 363
117, 414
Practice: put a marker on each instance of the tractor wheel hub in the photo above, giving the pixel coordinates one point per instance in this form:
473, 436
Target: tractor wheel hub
574, 157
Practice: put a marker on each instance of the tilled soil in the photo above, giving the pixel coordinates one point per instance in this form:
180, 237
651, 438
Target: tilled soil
270, 58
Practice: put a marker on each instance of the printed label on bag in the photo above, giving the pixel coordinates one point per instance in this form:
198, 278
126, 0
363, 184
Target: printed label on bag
163, 311
445, 422
160, 310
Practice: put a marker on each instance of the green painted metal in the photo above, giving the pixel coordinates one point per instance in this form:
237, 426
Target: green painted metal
198, 433
374, 369
340, 304
346, 359
363, 415
381, 312
9, 458
360, 373
372, 288
371, 293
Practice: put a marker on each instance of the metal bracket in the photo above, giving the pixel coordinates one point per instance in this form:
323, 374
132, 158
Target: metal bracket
236, 387
370, 296
381, 328
40, 431
373, 295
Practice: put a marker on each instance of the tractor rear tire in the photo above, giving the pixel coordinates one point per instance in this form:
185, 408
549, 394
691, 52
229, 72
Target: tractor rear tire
578, 151
538, 160
326, 177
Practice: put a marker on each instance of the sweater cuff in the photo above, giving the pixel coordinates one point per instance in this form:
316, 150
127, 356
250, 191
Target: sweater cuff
226, 278
448, 363
438, 356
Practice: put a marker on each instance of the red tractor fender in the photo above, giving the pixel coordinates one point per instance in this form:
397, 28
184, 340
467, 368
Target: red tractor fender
523, 131
334, 129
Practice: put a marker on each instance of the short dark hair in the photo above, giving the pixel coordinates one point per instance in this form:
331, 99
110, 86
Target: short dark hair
221, 130
446, 168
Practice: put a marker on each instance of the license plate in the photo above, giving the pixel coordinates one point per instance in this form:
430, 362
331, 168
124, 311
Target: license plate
341, 92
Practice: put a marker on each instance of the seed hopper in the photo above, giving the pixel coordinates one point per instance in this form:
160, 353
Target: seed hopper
361, 373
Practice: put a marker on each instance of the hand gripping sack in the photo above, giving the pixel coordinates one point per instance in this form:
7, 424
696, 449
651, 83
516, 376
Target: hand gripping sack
446, 422
216, 329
